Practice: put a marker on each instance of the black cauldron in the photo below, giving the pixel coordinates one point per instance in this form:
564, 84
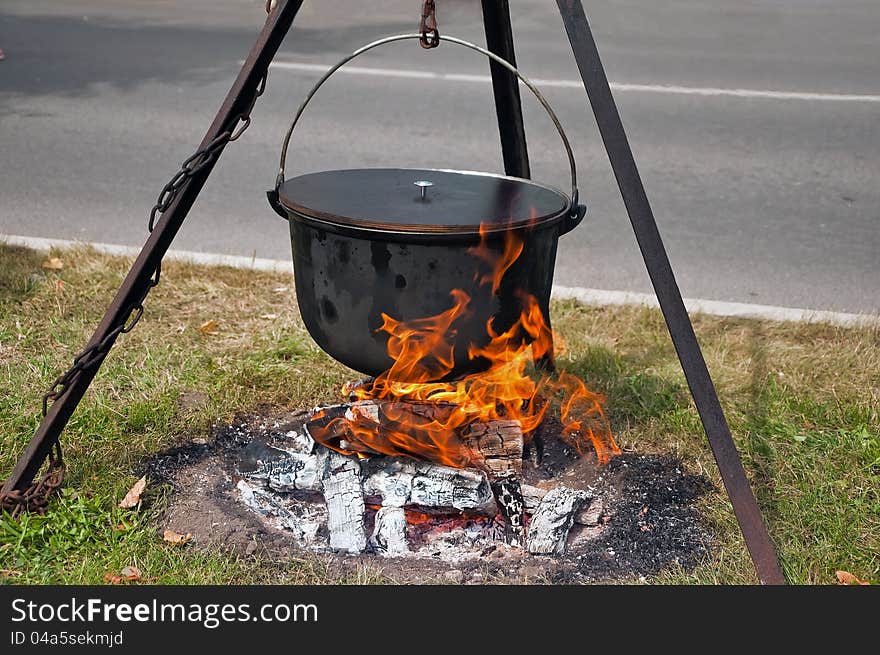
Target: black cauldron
397, 241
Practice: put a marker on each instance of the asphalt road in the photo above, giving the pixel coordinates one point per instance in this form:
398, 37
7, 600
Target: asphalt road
762, 200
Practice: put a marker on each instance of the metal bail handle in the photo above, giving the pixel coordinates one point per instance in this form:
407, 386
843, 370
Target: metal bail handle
575, 211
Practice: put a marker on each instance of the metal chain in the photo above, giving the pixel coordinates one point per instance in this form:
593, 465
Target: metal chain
36, 497
428, 26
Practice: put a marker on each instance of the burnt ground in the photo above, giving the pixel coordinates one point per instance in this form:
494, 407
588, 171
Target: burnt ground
648, 517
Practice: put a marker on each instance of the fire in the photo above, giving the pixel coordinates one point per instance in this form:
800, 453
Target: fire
424, 418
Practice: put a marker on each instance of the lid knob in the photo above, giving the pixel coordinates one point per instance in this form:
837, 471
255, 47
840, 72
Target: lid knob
423, 187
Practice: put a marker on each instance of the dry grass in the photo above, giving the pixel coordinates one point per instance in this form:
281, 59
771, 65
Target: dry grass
802, 401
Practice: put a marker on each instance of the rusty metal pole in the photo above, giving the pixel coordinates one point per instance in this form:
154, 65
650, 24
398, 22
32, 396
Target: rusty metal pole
641, 216
237, 101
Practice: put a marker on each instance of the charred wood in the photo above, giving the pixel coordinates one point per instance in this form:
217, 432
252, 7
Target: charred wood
345, 503
389, 532
496, 447
548, 530
509, 497
401, 481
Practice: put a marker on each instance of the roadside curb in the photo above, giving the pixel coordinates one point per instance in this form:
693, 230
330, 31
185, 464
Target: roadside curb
593, 297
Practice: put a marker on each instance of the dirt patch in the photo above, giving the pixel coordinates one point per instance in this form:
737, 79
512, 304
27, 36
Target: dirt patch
644, 517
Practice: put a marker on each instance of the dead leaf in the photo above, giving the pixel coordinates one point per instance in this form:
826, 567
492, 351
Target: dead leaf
131, 573
133, 497
128, 574
53, 264
209, 328
59, 285
175, 538
846, 578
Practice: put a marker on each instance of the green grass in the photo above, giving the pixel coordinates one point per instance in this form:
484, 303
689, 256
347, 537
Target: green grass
802, 402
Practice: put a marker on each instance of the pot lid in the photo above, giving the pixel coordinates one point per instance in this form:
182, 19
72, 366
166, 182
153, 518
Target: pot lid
421, 201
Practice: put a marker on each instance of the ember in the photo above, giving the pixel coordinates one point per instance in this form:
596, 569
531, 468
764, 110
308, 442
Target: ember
415, 412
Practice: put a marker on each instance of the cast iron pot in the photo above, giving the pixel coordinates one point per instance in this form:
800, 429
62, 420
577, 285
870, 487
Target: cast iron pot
368, 242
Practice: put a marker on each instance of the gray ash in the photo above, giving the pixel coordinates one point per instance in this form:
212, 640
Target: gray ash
654, 523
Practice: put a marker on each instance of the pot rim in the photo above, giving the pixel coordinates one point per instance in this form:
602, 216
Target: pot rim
404, 232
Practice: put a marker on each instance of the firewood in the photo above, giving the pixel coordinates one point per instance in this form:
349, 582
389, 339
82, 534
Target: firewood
368, 409
298, 441
297, 472
394, 412
352, 388
389, 532
345, 503
496, 447
398, 482
415, 412
553, 519
387, 481
304, 526
386, 420
510, 501
437, 486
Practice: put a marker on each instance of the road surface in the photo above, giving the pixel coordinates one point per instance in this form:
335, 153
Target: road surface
769, 194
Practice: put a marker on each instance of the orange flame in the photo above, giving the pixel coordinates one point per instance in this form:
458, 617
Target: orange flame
424, 418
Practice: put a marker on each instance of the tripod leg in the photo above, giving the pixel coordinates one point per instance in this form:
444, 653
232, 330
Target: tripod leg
138, 280
499, 40
650, 243
508, 107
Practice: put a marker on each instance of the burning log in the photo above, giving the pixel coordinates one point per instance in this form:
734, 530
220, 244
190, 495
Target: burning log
345, 503
388, 481
356, 389
496, 447
282, 469
374, 427
398, 482
553, 519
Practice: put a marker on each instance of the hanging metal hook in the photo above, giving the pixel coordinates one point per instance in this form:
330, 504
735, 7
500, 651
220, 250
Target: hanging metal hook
428, 26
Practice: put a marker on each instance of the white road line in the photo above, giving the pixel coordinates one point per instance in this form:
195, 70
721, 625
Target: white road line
596, 297
668, 89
